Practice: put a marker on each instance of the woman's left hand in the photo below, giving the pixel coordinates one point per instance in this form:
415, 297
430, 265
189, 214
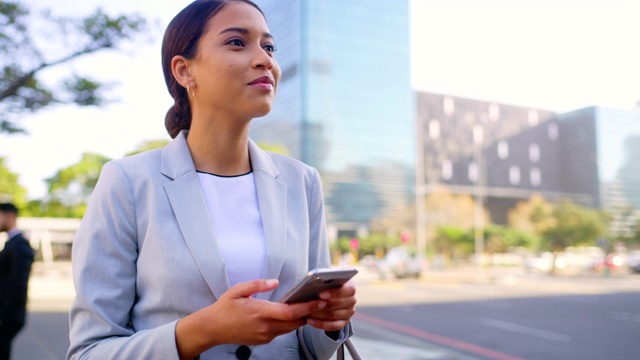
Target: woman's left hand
341, 305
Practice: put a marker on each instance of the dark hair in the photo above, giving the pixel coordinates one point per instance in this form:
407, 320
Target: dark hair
8, 208
181, 38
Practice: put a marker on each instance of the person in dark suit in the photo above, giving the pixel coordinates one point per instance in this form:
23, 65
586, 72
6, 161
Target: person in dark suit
15, 266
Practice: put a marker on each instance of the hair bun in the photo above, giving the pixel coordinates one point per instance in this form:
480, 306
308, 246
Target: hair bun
177, 120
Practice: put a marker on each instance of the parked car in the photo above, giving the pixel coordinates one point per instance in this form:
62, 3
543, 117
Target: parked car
400, 263
633, 261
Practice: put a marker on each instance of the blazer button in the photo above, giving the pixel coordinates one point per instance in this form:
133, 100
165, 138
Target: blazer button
243, 352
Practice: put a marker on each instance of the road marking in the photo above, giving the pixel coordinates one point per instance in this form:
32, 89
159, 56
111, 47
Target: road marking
398, 349
543, 334
618, 315
437, 339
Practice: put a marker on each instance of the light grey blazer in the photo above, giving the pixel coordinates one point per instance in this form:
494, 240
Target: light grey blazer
146, 254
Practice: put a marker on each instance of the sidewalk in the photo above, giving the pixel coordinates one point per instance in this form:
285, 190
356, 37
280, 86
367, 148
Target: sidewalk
51, 292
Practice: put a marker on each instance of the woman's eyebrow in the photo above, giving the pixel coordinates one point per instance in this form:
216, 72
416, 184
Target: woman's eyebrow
244, 32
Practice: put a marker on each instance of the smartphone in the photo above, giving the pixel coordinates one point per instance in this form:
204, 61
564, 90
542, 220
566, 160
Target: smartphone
316, 281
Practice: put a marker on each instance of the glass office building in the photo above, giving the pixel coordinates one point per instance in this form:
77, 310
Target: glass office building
600, 154
344, 103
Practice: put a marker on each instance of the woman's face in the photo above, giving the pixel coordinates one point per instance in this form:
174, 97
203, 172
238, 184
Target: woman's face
234, 70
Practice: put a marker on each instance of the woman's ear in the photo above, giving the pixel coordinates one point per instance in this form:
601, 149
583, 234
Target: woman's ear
181, 70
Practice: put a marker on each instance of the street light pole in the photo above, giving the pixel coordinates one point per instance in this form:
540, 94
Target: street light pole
421, 219
478, 140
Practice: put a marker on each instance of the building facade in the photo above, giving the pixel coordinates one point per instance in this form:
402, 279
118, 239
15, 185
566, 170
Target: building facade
505, 153
499, 153
344, 103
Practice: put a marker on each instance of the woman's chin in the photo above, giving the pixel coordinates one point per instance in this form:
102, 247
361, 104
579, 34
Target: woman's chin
261, 111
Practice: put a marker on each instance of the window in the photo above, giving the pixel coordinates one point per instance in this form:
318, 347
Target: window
478, 135
533, 118
473, 172
535, 177
469, 117
434, 129
534, 152
494, 112
503, 150
514, 175
552, 131
448, 106
447, 169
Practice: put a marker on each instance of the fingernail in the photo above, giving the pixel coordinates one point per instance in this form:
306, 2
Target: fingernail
325, 296
272, 282
322, 305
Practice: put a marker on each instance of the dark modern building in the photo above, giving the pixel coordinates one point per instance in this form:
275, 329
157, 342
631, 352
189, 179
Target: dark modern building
344, 103
508, 153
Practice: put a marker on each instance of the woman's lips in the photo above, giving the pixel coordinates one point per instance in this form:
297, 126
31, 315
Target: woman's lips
264, 82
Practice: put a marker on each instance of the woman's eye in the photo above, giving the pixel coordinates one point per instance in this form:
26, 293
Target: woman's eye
235, 42
269, 47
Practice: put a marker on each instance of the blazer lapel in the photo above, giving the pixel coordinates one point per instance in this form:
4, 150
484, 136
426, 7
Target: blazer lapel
190, 209
272, 200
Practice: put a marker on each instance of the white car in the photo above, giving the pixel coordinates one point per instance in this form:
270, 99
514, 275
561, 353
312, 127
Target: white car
400, 263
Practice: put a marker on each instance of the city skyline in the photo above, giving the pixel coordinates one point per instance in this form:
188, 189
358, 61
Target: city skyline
498, 52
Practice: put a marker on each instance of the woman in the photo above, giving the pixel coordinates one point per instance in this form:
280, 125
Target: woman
184, 251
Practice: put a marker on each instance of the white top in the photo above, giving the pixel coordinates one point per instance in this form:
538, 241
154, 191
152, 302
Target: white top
235, 214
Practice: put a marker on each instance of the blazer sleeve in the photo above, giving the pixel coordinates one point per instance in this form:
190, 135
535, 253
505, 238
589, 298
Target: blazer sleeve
104, 258
321, 345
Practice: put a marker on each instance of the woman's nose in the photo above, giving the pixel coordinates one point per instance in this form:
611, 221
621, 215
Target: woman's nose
263, 60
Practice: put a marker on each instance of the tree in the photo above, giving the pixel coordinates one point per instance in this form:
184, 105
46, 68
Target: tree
454, 242
573, 225
401, 219
24, 55
71, 187
148, 145
533, 216
445, 209
500, 239
10, 188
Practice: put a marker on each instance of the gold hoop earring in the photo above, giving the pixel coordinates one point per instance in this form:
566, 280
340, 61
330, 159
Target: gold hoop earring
189, 92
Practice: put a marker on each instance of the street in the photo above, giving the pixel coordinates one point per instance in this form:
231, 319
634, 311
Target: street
501, 314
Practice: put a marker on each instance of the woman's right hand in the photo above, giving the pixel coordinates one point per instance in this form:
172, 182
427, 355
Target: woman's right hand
238, 318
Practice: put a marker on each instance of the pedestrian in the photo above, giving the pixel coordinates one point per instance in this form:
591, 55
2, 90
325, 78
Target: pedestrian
185, 251
15, 267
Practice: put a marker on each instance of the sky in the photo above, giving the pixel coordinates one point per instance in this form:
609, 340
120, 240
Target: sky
549, 54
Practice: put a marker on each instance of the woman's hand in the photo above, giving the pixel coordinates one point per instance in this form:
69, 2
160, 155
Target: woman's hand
341, 305
238, 318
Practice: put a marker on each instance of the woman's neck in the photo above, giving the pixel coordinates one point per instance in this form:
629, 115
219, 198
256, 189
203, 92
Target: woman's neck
220, 147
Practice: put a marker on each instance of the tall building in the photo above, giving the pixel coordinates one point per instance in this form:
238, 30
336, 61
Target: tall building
503, 153
601, 148
344, 102
600, 152
507, 153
